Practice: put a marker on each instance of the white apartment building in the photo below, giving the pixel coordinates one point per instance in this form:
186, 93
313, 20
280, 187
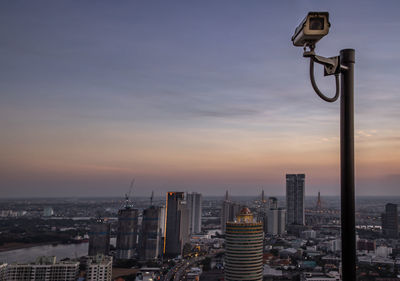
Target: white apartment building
44, 269
99, 268
3, 271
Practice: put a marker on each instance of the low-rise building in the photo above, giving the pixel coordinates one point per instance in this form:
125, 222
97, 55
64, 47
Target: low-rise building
309, 234
44, 269
3, 271
383, 251
312, 276
366, 245
98, 268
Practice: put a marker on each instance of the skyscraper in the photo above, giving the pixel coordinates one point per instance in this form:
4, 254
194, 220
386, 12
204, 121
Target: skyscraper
229, 211
127, 232
99, 238
194, 201
295, 199
177, 224
151, 233
276, 221
244, 248
263, 211
390, 221
319, 202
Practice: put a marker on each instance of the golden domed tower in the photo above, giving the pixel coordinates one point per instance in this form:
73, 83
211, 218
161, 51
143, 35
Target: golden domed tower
244, 248
245, 215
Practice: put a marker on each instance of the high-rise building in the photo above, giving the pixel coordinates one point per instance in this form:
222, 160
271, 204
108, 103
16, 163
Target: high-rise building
295, 192
229, 211
194, 201
44, 269
263, 199
99, 238
276, 221
319, 202
244, 248
177, 224
127, 232
272, 203
162, 224
263, 211
151, 234
98, 268
390, 221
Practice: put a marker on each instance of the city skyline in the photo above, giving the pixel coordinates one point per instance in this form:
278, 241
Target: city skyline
189, 97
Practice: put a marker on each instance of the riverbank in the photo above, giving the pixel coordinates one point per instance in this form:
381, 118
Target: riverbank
30, 252
16, 246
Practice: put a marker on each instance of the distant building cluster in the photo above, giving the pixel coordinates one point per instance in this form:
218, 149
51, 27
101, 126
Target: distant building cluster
259, 239
164, 231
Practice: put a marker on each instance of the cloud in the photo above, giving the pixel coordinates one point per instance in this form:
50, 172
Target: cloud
225, 112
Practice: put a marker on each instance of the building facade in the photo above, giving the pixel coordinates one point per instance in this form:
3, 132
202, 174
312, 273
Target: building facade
99, 238
295, 193
3, 271
44, 269
366, 245
244, 248
99, 268
177, 224
272, 203
151, 234
276, 221
194, 201
390, 221
127, 232
229, 211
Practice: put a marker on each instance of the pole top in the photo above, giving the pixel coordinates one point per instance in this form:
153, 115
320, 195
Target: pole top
348, 56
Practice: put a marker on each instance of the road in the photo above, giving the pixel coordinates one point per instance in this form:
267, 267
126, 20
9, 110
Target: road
179, 270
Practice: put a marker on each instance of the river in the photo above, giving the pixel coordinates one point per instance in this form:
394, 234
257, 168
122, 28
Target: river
61, 251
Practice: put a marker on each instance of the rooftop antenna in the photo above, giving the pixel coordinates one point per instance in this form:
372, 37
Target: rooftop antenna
151, 198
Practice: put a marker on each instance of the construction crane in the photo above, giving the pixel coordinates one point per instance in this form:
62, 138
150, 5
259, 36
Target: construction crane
127, 195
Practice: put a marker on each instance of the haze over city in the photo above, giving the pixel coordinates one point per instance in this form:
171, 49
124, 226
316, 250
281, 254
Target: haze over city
190, 95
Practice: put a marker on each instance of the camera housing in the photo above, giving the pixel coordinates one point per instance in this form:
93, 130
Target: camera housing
313, 27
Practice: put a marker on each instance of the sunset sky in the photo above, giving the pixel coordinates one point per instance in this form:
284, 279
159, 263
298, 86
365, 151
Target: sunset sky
190, 95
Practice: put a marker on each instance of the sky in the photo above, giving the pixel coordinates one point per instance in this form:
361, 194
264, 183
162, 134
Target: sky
202, 96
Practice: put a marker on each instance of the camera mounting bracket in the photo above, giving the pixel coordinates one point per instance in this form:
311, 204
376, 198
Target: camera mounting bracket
331, 67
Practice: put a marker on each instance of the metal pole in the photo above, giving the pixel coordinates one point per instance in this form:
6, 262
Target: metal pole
347, 60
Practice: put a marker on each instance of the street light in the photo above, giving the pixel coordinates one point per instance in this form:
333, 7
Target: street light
315, 26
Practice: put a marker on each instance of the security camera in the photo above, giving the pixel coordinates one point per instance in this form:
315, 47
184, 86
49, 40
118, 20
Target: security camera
314, 26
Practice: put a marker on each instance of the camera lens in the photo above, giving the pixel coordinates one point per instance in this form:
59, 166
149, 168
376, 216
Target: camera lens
316, 23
